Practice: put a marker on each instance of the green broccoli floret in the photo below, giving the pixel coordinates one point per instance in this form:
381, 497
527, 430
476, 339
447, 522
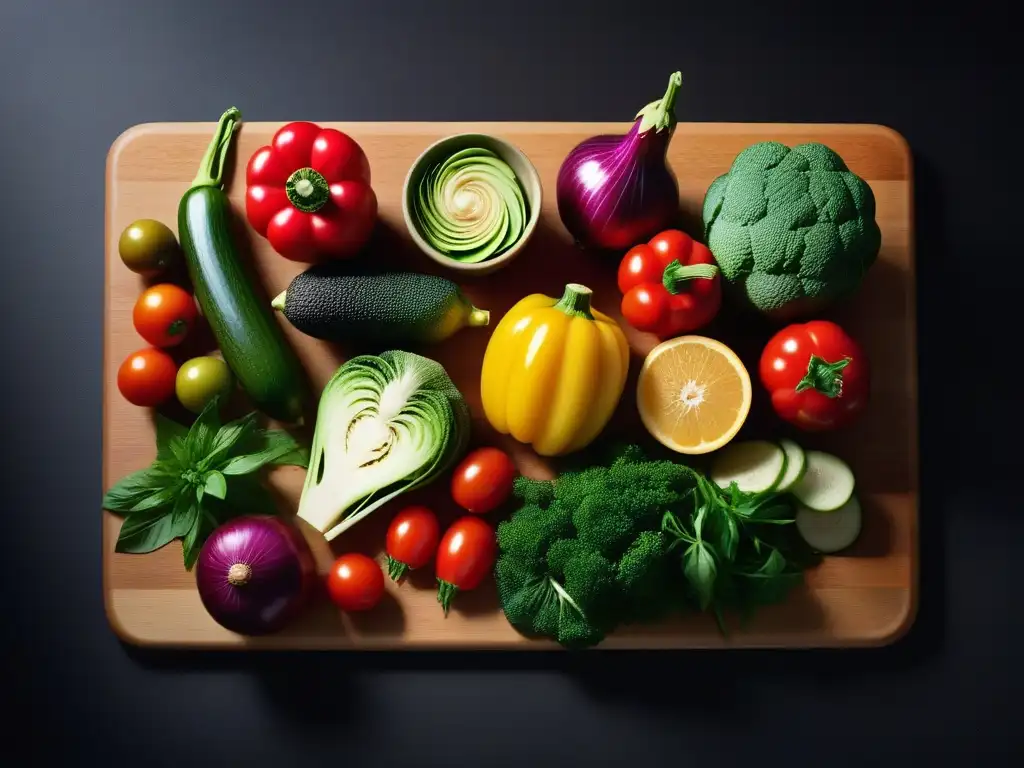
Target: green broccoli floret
592, 556
643, 573
791, 229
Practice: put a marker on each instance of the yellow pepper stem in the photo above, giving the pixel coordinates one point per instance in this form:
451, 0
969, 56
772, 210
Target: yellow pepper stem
575, 302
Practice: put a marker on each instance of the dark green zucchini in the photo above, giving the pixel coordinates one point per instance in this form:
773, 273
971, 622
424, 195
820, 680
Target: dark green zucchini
248, 334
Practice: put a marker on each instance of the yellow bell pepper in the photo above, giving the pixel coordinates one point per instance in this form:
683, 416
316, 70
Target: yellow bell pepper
554, 371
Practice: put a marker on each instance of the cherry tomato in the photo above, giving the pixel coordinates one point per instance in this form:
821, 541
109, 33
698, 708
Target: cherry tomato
355, 582
483, 480
146, 378
164, 314
818, 376
464, 558
412, 540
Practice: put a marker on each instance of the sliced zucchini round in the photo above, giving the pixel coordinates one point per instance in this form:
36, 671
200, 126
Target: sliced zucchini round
827, 484
829, 532
796, 464
756, 466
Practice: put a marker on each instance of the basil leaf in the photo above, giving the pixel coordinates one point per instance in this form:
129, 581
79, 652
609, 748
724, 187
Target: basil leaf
699, 568
227, 437
161, 497
274, 452
184, 513
191, 544
201, 434
179, 450
216, 485
143, 532
134, 488
166, 432
266, 439
727, 537
247, 495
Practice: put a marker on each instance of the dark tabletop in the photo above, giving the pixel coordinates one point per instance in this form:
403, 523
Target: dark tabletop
73, 75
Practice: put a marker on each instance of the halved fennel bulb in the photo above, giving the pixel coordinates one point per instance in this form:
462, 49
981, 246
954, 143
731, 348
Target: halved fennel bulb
385, 424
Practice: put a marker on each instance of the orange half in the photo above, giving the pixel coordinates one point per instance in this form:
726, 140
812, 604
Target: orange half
693, 394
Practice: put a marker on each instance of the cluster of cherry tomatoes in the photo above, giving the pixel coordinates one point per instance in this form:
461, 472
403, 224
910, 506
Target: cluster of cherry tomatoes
464, 555
163, 316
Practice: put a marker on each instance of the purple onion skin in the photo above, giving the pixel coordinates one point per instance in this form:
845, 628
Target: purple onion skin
615, 192
281, 574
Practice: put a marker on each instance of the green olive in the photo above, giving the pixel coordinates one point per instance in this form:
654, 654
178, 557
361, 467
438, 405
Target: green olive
200, 380
148, 247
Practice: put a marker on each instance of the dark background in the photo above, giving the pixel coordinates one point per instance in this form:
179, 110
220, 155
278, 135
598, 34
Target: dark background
73, 75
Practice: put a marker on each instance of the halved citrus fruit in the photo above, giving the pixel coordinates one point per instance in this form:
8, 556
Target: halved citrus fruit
693, 394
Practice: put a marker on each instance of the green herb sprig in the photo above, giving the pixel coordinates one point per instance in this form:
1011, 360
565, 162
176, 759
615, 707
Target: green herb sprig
202, 476
739, 550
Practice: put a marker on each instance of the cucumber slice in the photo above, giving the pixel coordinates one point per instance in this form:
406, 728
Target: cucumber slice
796, 464
827, 483
755, 466
829, 532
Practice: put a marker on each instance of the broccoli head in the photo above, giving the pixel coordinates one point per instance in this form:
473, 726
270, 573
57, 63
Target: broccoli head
792, 229
591, 556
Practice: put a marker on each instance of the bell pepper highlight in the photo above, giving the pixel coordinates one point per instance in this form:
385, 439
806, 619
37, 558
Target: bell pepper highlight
308, 193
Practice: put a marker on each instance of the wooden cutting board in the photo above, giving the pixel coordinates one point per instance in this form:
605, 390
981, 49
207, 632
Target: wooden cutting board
866, 596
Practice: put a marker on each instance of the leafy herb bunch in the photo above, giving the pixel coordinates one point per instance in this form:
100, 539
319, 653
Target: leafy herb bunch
202, 476
739, 550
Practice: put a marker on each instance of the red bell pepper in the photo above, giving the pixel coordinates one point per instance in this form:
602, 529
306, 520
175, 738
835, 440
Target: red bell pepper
817, 375
308, 192
670, 285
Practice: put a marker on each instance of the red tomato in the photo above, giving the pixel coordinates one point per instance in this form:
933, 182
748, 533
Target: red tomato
817, 375
146, 378
164, 314
483, 480
355, 582
412, 540
465, 557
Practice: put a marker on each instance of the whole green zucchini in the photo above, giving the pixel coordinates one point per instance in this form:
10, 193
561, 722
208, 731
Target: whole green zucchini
248, 334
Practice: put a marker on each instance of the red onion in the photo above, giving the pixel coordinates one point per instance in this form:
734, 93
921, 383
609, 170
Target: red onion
254, 574
616, 191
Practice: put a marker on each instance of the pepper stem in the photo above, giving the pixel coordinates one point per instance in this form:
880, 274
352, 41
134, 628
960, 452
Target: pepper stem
279, 300
445, 592
675, 276
478, 317
211, 169
575, 302
824, 377
307, 190
660, 114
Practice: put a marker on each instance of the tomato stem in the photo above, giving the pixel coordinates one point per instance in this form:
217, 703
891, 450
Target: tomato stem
445, 592
575, 302
824, 377
676, 276
396, 569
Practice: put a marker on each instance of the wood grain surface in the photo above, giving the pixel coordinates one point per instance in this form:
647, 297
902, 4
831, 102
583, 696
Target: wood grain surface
865, 596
